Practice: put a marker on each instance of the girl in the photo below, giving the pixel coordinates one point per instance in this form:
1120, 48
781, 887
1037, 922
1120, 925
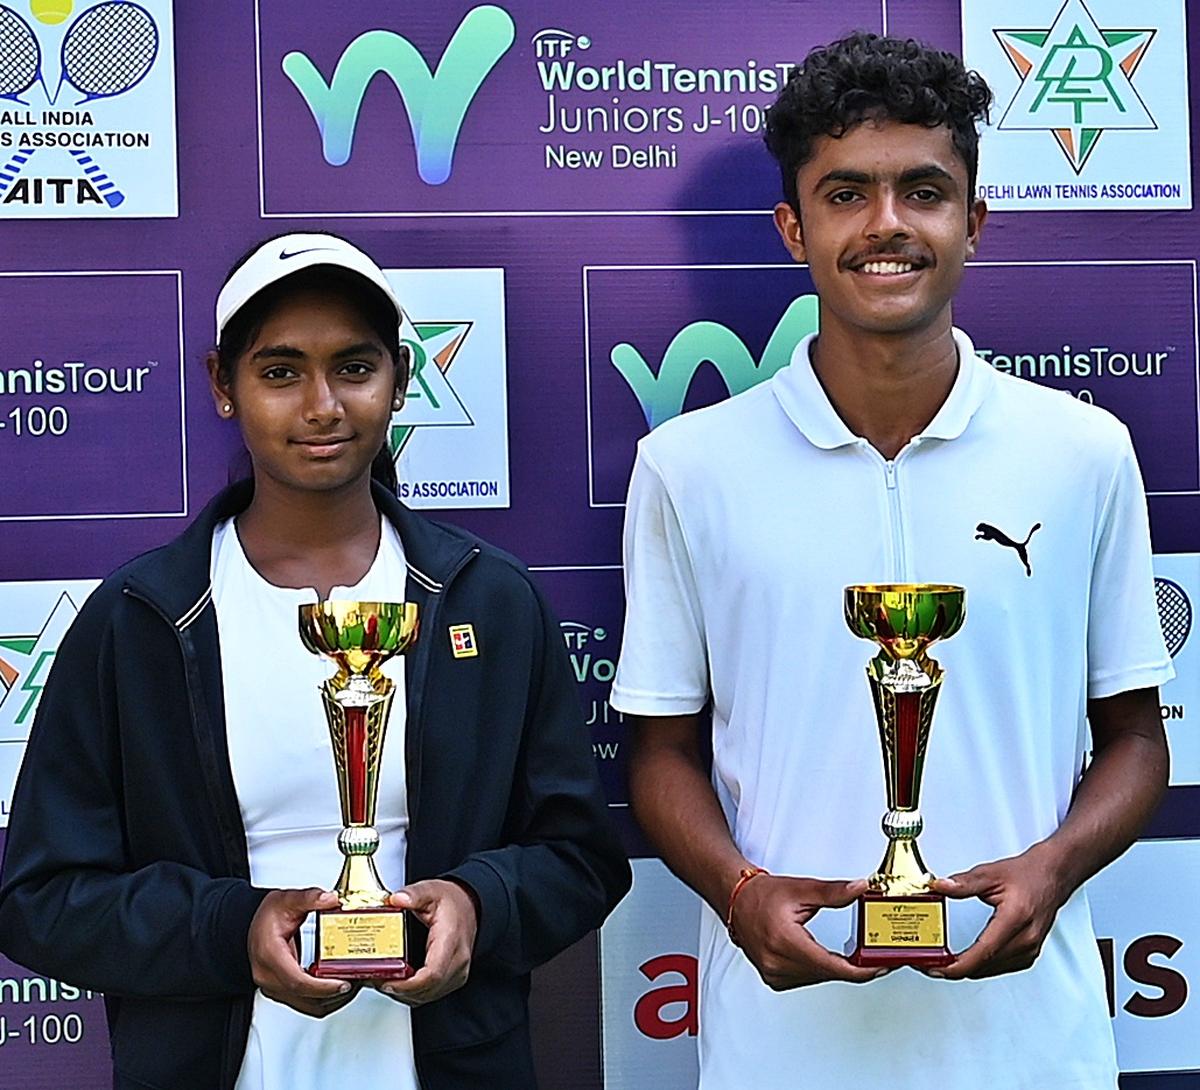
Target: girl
177, 809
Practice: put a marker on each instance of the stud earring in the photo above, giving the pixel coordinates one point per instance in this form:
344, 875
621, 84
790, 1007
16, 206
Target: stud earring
397, 403
227, 408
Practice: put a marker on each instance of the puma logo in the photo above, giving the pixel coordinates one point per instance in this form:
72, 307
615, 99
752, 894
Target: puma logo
984, 532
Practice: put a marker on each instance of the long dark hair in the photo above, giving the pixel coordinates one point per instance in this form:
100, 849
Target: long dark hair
374, 307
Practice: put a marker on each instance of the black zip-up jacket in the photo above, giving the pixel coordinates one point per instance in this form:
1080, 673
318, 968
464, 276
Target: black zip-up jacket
126, 868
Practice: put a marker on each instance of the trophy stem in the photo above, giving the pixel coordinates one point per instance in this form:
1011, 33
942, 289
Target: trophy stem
902, 872
356, 765
908, 722
357, 716
359, 884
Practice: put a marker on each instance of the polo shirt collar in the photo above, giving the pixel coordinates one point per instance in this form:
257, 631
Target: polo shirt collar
803, 398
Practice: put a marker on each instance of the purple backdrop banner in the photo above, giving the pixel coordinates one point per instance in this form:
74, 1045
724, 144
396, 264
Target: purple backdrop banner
576, 204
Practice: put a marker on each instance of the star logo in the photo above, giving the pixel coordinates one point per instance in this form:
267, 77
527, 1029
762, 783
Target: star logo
430, 400
25, 661
1076, 80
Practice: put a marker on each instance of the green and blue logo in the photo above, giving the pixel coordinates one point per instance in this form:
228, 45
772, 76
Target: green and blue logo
436, 101
662, 395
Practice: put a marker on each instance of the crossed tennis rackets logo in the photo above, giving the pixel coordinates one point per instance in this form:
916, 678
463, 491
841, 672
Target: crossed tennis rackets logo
106, 51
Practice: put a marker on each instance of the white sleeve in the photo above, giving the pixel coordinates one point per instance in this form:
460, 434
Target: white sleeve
663, 669
1125, 647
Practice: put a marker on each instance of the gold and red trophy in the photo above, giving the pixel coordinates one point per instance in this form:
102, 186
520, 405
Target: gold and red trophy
363, 938
901, 921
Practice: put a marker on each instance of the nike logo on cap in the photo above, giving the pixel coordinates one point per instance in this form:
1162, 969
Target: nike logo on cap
284, 254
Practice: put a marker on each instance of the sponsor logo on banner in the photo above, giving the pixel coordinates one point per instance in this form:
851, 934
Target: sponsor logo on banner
647, 363
87, 110
436, 102
1091, 105
661, 393
450, 439
1145, 922
51, 1033
1143, 908
593, 650
649, 983
1129, 345
1177, 590
607, 111
89, 392
33, 619
1174, 613
490, 109
591, 603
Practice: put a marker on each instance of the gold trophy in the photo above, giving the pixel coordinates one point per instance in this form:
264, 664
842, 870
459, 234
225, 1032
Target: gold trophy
362, 939
900, 920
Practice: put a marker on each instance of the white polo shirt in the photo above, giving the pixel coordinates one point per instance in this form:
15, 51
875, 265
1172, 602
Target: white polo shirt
745, 521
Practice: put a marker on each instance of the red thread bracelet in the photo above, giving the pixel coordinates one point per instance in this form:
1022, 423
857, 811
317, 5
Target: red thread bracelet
744, 876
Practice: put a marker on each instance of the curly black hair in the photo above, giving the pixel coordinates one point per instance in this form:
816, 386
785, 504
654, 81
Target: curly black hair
865, 76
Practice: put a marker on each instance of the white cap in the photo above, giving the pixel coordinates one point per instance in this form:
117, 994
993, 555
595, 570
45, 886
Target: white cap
288, 254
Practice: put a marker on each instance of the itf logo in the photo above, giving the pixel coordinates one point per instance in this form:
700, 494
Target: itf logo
436, 101
1076, 80
593, 641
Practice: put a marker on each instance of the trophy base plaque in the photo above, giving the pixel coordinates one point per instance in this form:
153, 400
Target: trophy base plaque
361, 944
896, 931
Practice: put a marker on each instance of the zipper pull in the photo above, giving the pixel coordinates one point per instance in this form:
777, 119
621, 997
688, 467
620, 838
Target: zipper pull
889, 469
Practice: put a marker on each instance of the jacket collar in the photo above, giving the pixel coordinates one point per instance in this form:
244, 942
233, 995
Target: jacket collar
803, 398
176, 577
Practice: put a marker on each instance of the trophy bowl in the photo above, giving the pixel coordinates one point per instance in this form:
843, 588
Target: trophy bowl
905, 618
358, 636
